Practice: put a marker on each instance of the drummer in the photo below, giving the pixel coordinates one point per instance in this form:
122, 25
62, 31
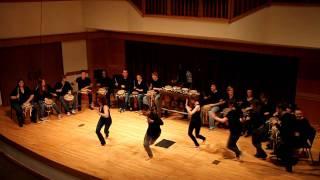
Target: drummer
104, 82
62, 88
19, 96
156, 85
43, 92
124, 83
141, 87
84, 83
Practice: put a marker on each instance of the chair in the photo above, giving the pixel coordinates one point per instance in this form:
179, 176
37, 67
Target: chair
307, 145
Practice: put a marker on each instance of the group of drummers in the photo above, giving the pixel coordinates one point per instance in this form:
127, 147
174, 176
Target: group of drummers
282, 125
264, 121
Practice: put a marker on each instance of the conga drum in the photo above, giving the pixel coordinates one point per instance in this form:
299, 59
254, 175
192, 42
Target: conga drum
27, 110
134, 96
48, 103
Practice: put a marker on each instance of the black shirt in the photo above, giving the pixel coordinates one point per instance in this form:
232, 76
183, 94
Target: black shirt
105, 82
142, 85
65, 88
41, 95
287, 127
125, 84
267, 107
83, 82
156, 84
214, 97
304, 128
235, 126
23, 96
154, 129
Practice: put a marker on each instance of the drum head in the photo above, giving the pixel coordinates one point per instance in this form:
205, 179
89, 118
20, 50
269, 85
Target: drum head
121, 92
135, 93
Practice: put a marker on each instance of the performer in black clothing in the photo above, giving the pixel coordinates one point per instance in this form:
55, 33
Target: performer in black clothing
211, 105
306, 131
62, 88
84, 87
105, 82
195, 122
156, 84
235, 127
105, 119
124, 83
42, 93
153, 131
141, 87
20, 96
267, 108
287, 128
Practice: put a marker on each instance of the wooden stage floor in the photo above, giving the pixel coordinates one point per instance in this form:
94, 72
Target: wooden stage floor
72, 141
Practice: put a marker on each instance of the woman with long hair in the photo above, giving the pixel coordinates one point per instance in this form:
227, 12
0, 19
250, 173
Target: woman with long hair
104, 120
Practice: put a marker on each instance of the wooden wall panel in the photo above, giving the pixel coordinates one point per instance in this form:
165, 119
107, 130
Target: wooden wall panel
29, 63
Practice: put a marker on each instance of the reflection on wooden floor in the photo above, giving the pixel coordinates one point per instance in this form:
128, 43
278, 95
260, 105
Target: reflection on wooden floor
72, 141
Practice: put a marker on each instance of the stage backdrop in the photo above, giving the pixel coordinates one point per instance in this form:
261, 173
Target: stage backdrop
275, 75
29, 63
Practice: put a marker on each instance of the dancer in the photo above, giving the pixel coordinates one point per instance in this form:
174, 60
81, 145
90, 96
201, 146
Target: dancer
105, 119
153, 131
235, 127
195, 122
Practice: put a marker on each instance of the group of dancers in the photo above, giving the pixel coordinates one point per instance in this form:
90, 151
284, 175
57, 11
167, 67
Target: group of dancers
243, 116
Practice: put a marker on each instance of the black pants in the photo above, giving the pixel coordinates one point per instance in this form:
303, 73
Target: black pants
106, 122
148, 140
195, 125
19, 112
232, 143
80, 98
258, 136
286, 154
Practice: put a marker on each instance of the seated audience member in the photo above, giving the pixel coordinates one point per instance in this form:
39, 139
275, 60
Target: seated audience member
45, 93
84, 88
63, 88
21, 96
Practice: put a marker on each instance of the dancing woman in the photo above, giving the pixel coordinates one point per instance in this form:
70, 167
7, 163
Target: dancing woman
105, 119
153, 131
195, 122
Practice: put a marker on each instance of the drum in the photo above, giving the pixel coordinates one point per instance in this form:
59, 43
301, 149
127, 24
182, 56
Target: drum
85, 91
134, 95
27, 109
168, 88
48, 102
68, 97
177, 89
102, 91
185, 90
121, 93
151, 93
193, 93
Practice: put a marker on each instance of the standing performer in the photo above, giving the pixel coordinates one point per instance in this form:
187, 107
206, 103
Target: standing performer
20, 97
84, 86
153, 131
235, 127
105, 119
195, 122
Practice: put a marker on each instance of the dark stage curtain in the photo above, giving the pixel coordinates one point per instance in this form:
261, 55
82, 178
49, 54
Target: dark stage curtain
29, 63
264, 73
